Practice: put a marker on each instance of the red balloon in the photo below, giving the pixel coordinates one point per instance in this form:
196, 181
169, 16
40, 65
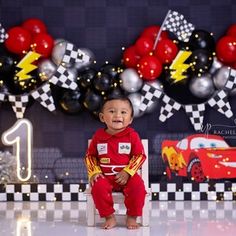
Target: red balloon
149, 67
43, 44
143, 46
232, 31
34, 26
226, 49
152, 31
166, 50
130, 57
18, 40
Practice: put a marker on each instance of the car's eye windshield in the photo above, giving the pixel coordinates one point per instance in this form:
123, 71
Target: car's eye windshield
197, 143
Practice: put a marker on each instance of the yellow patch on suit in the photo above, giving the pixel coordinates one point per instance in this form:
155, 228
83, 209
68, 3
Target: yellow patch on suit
105, 160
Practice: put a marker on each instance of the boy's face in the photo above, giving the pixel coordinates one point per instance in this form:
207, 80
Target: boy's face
117, 115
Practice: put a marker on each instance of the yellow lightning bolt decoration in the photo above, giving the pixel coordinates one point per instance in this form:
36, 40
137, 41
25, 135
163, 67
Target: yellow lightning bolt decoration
26, 66
179, 67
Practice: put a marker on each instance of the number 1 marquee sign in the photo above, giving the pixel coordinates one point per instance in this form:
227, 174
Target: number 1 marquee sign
20, 136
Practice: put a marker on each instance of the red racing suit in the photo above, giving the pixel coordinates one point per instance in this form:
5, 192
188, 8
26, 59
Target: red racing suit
109, 154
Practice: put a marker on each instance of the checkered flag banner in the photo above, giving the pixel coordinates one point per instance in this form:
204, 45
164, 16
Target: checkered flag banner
3, 34
63, 79
44, 96
176, 23
170, 106
221, 104
231, 82
149, 95
196, 115
19, 103
73, 55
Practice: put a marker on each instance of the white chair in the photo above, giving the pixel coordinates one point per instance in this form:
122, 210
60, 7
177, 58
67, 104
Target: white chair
118, 197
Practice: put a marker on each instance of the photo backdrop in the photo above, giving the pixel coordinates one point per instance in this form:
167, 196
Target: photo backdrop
104, 27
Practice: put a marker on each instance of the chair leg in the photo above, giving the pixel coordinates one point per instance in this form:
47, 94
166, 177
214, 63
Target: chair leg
90, 211
145, 217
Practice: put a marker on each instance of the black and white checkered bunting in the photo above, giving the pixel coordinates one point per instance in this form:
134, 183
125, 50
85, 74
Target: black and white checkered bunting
221, 104
196, 115
169, 108
44, 96
176, 23
73, 55
231, 82
63, 79
19, 103
3, 34
149, 95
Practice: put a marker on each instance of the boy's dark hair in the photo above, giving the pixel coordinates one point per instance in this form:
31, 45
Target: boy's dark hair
118, 97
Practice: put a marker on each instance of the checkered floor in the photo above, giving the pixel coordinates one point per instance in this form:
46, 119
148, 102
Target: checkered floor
179, 218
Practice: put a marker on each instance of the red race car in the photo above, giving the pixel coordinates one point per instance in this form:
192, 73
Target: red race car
200, 157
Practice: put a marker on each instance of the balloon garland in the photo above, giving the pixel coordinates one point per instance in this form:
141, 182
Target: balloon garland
174, 64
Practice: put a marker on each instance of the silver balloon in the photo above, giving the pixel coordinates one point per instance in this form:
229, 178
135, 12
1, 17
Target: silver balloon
80, 65
58, 52
135, 99
56, 41
220, 78
46, 69
215, 65
158, 85
202, 87
130, 80
72, 73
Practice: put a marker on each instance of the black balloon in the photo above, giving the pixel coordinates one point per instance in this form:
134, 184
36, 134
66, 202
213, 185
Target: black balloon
85, 78
102, 82
18, 87
201, 60
110, 70
201, 39
70, 102
6, 64
92, 101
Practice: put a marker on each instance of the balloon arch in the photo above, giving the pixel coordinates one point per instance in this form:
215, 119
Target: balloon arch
178, 65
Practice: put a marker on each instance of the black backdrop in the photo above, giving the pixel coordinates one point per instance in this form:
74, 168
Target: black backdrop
105, 26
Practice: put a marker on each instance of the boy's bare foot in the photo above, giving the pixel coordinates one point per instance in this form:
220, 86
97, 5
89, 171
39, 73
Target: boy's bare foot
131, 222
110, 222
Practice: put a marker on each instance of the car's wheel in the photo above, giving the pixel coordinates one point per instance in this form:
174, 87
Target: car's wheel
195, 171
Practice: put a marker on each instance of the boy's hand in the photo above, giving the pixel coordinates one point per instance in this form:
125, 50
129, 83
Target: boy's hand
94, 178
122, 177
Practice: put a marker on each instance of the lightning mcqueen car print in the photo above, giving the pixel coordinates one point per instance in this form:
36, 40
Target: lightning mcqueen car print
199, 157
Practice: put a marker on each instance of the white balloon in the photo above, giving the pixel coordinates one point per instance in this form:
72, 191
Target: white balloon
130, 80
